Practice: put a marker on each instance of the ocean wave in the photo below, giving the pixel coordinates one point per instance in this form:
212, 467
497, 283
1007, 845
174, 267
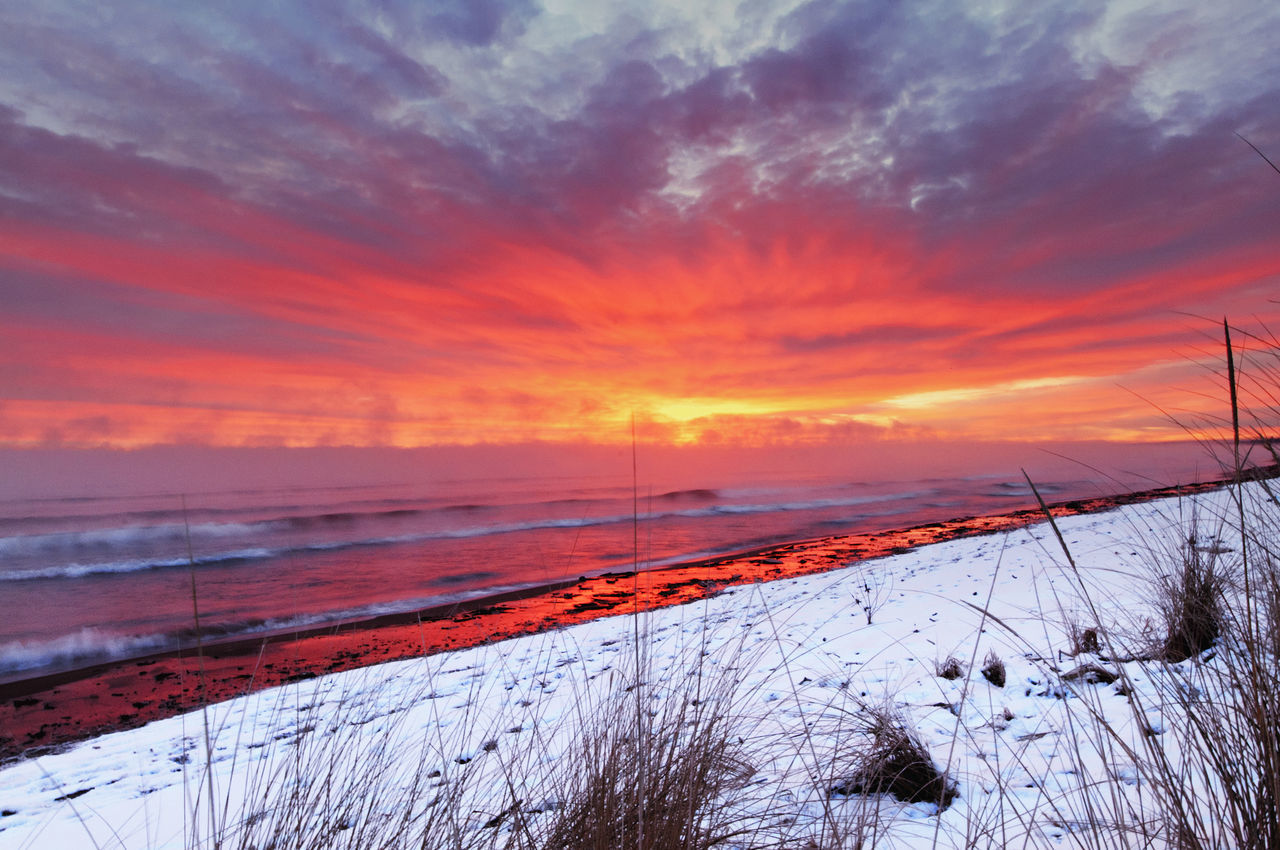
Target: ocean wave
700, 494
90, 646
1020, 488
132, 535
126, 537
80, 649
214, 515
80, 570
818, 504
464, 578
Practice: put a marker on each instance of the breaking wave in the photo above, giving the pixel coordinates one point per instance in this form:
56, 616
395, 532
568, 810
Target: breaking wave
85, 647
90, 646
128, 537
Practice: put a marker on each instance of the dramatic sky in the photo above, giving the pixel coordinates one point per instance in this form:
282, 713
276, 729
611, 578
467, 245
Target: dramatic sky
749, 223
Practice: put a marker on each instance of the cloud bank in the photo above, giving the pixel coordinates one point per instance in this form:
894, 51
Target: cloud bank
389, 223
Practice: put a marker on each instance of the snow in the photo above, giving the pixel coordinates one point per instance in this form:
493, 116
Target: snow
790, 663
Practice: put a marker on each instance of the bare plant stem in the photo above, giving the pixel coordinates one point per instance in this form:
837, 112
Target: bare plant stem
204, 702
1238, 472
641, 743
1258, 152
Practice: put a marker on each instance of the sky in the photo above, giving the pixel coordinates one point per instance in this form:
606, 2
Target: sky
406, 224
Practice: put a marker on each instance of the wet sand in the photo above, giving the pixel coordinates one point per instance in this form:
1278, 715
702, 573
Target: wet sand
41, 714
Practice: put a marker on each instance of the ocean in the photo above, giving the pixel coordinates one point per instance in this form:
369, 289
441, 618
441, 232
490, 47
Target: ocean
91, 578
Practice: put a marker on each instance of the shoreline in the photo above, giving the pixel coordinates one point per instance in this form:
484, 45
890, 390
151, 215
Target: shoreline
43, 713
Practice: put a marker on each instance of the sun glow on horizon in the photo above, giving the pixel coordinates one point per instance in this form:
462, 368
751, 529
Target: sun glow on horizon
933, 399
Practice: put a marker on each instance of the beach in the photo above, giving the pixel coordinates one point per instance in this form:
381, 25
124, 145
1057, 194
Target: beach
44, 712
789, 641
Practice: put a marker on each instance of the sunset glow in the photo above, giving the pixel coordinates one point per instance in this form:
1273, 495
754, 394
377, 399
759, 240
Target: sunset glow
511, 222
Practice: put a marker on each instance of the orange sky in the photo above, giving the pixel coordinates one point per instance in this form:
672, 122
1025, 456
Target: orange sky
799, 224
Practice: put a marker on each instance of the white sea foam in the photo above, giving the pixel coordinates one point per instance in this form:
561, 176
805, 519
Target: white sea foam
86, 646
92, 645
123, 537
80, 570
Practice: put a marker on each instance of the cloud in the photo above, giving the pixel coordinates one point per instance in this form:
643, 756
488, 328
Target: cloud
475, 23
894, 335
520, 221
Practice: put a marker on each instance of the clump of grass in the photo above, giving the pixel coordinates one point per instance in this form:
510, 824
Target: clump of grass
951, 668
1220, 785
993, 669
1082, 640
1223, 786
1212, 761
1190, 602
341, 775
651, 788
895, 761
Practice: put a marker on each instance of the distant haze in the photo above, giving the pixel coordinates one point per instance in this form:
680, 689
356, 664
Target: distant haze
195, 470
